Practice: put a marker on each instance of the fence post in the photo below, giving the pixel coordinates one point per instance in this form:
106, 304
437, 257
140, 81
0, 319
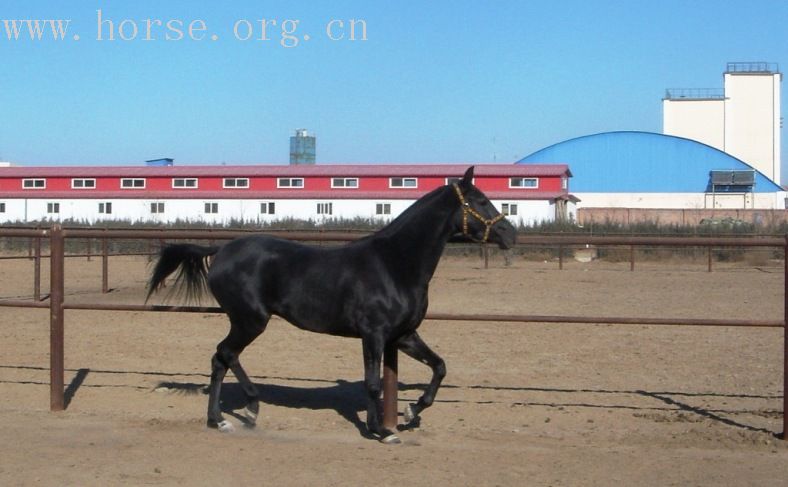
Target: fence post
784, 435
631, 258
709, 258
56, 334
560, 257
37, 271
104, 265
390, 367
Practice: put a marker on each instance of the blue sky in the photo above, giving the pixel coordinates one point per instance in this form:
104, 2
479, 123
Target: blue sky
439, 81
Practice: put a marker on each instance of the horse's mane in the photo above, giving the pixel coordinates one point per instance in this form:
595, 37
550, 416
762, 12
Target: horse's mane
405, 218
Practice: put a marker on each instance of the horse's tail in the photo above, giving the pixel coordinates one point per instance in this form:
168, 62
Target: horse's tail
191, 263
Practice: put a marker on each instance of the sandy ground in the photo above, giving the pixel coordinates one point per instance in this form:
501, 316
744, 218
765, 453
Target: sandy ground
523, 404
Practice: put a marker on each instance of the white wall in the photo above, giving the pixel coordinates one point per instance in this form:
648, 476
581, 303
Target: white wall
138, 210
752, 120
529, 212
774, 200
701, 120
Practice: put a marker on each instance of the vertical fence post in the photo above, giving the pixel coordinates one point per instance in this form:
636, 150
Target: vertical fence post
631, 258
784, 435
56, 334
560, 257
390, 367
709, 258
486, 252
37, 271
104, 265
89, 248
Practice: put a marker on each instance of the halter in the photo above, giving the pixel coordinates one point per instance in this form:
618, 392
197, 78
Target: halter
468, 210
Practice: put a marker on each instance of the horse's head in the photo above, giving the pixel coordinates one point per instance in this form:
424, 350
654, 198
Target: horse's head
479, 221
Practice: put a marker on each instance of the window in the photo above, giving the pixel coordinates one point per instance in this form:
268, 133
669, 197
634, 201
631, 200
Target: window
132, 183
157, 207
290, 183
2, 207
211, 208
34, 183
523, 183
83, 183
267, 208
564, 183
184, 182
105, 208
509, 209
53, 208
383, 208
236, 183
403, 182
344, 182
325, 208
457, 180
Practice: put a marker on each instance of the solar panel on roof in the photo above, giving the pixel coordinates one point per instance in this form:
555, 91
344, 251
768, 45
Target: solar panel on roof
743, 177
721, 177
731, 180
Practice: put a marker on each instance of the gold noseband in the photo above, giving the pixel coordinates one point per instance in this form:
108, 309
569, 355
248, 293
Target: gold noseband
467, 210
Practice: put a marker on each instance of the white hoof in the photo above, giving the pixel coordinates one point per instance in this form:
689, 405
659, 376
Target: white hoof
225, 427
408, 414
250, 415
391, 439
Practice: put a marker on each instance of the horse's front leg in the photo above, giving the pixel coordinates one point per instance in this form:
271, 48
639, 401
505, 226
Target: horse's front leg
413, 346
373, 353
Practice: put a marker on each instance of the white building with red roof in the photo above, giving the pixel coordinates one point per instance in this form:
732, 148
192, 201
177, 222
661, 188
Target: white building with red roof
262, 193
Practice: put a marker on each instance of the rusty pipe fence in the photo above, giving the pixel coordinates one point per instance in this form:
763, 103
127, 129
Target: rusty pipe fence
57, 304
103, 252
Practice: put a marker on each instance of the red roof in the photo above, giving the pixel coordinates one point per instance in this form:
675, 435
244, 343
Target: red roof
327, 170
404, 194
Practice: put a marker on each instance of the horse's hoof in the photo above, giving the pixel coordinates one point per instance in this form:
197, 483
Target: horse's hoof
225, 427
250, 415
391, 439
409, 414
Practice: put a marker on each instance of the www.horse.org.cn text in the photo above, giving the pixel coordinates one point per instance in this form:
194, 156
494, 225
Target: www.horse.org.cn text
287, 33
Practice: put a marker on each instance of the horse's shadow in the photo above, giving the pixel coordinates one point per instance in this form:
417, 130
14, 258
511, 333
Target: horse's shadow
346, 398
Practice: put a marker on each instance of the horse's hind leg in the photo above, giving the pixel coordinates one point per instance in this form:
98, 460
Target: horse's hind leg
253, 404
242, 333
413, 346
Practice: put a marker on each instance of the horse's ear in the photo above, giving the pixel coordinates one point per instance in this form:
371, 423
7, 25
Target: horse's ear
467, 179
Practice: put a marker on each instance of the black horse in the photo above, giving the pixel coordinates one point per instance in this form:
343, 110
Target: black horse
374, 288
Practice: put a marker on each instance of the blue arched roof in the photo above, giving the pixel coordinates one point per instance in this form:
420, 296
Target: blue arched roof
641, 162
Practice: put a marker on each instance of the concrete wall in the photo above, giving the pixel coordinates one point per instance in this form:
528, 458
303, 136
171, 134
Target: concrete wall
670, 216
774, 200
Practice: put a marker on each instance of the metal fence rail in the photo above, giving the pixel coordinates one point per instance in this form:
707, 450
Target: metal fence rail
57, 305
531, 241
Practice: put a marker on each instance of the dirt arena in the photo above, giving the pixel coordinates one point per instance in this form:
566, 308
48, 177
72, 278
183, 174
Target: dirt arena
523, 404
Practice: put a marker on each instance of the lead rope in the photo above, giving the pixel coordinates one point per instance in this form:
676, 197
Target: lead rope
467, 209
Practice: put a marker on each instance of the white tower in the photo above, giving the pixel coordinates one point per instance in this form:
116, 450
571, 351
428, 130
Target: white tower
742, 119
752, 115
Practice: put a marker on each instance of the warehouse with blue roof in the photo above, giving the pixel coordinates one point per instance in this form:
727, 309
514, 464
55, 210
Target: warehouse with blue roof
650, 170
